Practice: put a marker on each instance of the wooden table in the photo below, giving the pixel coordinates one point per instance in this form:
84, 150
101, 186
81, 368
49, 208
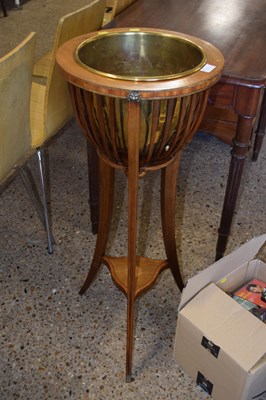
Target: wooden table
238, 29
3, 5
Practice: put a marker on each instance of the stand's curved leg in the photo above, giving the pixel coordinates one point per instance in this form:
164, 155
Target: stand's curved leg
168, 196
93, 173
106, 206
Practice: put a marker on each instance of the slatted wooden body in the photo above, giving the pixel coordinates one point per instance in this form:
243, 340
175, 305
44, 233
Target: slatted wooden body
174, 121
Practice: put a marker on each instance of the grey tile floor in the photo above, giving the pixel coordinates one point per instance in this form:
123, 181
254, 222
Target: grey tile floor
58, 345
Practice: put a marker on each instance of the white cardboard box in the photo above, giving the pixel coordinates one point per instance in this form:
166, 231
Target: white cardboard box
218, 343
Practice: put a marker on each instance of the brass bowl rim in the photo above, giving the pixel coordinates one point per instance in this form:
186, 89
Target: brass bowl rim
132, 31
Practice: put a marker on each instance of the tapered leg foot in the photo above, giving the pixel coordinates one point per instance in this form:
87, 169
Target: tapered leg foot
129, 379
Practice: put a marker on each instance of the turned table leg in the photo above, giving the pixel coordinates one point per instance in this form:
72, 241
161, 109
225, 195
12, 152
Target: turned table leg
246, 104
260, 131
4, 7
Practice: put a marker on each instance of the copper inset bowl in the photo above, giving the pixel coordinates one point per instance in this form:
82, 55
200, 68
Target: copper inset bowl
140, 56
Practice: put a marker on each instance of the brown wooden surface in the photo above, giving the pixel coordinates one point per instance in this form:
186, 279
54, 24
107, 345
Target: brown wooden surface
238, 29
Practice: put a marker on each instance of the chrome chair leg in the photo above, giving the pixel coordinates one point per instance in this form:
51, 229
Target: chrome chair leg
44, 203
39, 205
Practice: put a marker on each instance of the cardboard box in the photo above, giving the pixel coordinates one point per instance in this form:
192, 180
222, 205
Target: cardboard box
220, 344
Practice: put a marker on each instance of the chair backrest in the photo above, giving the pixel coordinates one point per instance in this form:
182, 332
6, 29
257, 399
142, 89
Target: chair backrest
122, 4
58, 109
114, 7
16, 69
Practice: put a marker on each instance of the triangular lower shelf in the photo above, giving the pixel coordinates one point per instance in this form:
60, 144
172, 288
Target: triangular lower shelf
146, 272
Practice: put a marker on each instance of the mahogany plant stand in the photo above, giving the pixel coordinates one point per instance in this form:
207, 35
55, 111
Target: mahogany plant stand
137, 130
